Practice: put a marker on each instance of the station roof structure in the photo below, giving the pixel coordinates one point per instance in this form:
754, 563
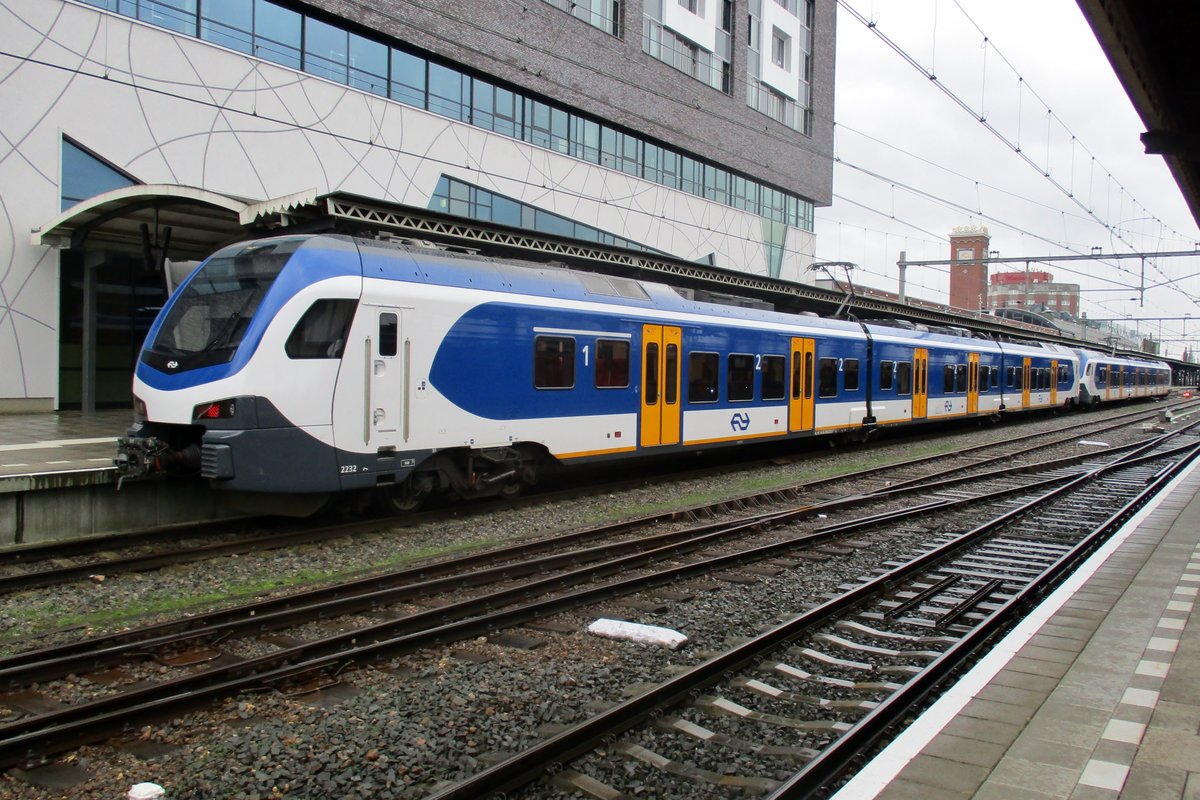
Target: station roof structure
1151, 45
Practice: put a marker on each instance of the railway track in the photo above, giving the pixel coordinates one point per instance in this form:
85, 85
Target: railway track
514, 562
42, 565
36, 734
813, 694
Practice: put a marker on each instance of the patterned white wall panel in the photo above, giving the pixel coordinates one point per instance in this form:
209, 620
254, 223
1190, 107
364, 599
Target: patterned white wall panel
170, 109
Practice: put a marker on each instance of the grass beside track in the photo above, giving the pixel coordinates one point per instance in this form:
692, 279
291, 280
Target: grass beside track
40, 612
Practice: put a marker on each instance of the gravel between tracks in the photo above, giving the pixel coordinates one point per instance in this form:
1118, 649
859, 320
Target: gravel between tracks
439, 716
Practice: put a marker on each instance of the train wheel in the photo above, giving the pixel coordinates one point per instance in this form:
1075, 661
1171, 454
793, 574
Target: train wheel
514, 487
404, 499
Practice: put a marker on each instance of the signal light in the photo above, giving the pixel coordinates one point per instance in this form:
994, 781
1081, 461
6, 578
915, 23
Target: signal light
222, 409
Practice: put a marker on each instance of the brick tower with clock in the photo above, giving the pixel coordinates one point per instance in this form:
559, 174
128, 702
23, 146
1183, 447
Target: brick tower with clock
969, 272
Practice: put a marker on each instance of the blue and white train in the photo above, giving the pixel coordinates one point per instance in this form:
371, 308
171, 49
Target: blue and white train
318, 364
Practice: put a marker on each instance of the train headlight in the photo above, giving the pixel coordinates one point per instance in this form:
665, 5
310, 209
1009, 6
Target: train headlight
221, 409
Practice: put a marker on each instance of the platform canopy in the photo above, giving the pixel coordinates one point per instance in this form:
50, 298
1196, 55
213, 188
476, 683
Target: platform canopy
1150, 45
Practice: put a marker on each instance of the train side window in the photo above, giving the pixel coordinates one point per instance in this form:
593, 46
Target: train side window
808, 376
887, 375
612, 364
827, 377
797, 376
321, 332
702, 377
671, 390
389, 330
1064, 373
904, 377
553, 362
850, 374
995, 376
739, 380
960, 377
948, 378
774, 377
650, 390
1018, 378
1010, 377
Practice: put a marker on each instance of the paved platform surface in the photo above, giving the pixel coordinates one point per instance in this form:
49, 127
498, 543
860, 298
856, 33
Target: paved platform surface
66, 441
1096, 697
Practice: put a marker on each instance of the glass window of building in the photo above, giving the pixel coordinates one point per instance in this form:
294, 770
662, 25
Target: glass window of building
449, 92
277, 34
368, 65
326, 51
408, 78
84, 175
229, 23
602, 14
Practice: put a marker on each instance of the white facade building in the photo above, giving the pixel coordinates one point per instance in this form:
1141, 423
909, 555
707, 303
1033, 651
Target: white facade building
95, 101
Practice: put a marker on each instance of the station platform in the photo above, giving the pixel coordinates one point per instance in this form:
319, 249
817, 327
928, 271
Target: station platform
66, 442
1096, 696
57, 481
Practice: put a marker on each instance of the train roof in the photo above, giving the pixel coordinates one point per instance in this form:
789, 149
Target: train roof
402, 261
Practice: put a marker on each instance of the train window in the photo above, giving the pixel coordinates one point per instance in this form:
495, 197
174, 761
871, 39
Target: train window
960, 377
808, 376
1019, 378
321, 332
389, 334
827, 377
887, 375
671, 390
702, 377
739, 381
1010, 377
1064, 373
995, 376
948, 378
612, 364
774, 379
903, 377
553, 362
650, 390
797, 376
850, 374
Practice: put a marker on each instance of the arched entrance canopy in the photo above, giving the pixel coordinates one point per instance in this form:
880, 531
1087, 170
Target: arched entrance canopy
157, 225
200, 221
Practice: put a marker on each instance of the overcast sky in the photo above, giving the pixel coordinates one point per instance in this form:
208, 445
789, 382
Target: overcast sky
913, 164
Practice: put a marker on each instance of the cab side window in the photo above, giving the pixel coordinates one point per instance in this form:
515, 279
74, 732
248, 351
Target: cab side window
321, 332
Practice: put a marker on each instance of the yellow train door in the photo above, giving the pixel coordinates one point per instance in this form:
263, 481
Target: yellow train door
972, 383
1025, 375
800, 397
1053, 383
660, 385
920, 383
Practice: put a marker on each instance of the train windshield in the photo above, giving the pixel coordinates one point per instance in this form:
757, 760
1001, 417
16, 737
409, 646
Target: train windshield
207, 321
